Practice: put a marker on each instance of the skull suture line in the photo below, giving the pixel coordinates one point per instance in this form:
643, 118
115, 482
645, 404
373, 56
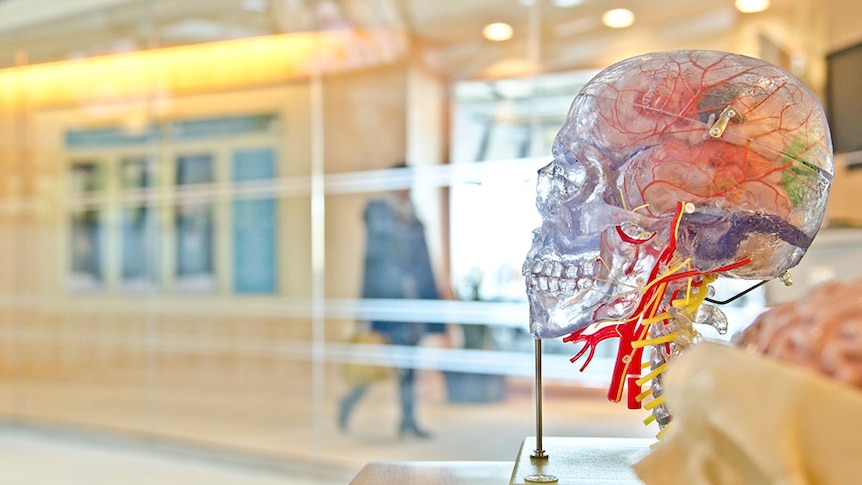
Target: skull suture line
672, 168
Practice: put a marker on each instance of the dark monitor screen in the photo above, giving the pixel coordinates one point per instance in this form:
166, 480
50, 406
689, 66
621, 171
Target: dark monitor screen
844, 98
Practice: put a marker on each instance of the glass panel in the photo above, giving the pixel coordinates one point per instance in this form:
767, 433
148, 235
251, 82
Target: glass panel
138, 223
194, 226
87, 236
254, 224
183, 193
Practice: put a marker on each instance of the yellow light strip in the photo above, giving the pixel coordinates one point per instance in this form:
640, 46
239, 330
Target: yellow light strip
197, 68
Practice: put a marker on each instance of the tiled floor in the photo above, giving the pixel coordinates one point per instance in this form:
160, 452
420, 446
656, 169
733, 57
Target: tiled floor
39, 455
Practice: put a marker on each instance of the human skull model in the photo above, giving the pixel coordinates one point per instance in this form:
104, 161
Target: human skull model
672, 168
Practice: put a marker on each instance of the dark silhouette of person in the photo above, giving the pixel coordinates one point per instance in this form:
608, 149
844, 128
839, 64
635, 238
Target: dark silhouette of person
397, 265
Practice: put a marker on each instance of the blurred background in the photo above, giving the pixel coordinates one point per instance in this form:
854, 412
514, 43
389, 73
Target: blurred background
182, 187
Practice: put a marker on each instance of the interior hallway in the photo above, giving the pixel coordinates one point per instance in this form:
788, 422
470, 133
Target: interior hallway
48, 454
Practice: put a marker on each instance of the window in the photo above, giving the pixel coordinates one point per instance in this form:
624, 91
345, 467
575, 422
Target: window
172, 203
254, 223
506, 127
86, 226
138, 229
194, 225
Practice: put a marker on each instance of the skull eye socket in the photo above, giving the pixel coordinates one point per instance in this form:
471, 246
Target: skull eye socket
563, 182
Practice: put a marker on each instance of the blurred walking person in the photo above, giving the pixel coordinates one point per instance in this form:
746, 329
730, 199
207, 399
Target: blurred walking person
397, 266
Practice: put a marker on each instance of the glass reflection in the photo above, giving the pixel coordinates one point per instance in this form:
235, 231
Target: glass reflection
158, 215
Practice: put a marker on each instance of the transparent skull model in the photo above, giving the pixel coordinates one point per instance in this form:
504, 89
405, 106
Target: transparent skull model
672, 168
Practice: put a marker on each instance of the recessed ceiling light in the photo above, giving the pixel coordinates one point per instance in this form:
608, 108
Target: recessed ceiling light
752, 6
259, 6
566, 3
618, 18
498, 31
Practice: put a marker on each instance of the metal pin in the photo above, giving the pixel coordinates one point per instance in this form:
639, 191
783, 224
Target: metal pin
738, 295
539, 452
717, 129
783, 277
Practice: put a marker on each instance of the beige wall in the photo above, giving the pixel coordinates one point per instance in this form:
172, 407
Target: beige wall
364, 117
845, 198
842, 18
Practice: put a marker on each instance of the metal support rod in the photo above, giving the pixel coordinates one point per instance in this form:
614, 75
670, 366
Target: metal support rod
539, 452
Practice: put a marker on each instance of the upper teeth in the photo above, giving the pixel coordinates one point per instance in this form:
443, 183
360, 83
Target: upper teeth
556, 276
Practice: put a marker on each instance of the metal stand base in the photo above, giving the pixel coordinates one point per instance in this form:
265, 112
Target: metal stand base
577, 461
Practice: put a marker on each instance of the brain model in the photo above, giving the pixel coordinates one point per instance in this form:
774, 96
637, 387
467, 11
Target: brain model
671, 168
822, 332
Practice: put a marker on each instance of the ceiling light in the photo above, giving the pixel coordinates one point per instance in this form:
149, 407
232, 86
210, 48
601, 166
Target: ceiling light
259, 6
218, 66
752, 6
618, 18
566, 3
498, 31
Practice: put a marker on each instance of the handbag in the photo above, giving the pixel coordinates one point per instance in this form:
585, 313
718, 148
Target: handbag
357, 374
